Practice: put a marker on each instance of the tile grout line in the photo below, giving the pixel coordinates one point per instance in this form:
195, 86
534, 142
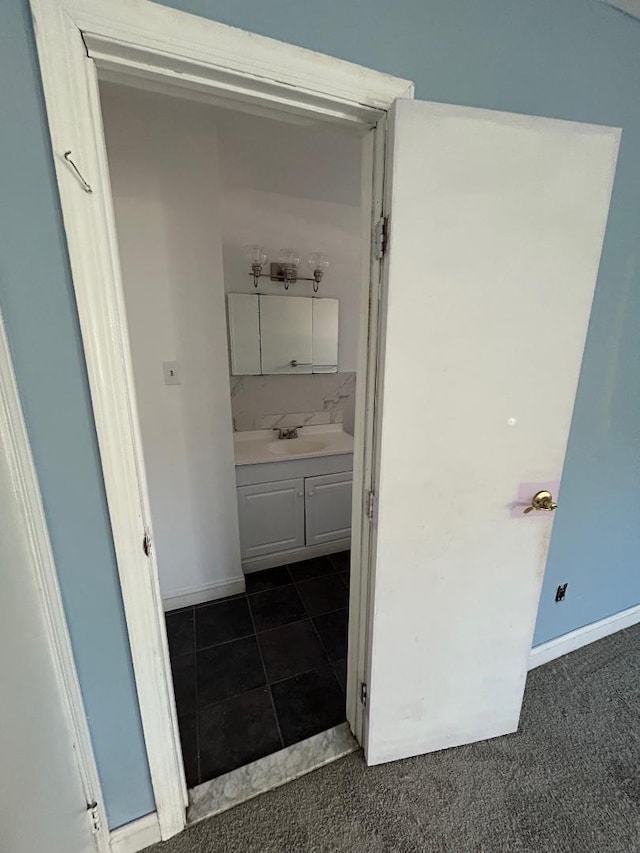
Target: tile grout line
266, 675
313, 624
267, 630
228, 642
328, 662
325, 649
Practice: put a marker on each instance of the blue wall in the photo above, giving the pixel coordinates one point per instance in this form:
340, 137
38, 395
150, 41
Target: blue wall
572, 59
36, 298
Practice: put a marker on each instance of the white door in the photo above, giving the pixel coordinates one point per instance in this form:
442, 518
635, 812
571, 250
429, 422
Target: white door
271, 517
496, 230
328, 507
285, 334
42, 805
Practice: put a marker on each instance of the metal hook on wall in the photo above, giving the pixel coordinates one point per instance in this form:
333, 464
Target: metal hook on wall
85, 185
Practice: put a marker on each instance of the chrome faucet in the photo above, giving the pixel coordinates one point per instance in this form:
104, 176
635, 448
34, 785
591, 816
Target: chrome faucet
290, 432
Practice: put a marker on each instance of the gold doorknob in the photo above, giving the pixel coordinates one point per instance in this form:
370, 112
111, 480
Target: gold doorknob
543, 501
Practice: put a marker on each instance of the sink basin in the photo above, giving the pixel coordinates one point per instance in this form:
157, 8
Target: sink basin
254, 447
295, 446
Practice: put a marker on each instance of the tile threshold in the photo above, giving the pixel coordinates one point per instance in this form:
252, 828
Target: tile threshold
238, 786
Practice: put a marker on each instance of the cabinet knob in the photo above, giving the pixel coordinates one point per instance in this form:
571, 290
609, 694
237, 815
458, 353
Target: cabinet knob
300, 494
310, 494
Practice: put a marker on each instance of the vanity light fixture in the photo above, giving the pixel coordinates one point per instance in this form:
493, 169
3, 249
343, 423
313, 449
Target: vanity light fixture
286, 268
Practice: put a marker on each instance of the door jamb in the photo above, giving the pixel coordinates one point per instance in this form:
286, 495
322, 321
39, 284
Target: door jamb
162, 47
13, 432
364, 457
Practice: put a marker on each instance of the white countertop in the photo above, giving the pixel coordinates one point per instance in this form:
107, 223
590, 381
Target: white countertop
263, 445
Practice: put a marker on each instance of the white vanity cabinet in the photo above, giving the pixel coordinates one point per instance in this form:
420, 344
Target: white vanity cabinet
327, 501
271, 517
292, 510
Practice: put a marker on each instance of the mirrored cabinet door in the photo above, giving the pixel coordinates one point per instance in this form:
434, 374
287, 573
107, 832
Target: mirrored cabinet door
282, 334
286, 334
324, 345
244, 334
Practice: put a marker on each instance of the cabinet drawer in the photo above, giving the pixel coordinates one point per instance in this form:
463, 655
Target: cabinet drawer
328, 507
271, 517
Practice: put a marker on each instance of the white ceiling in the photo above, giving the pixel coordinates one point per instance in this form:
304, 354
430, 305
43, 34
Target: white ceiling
631, 7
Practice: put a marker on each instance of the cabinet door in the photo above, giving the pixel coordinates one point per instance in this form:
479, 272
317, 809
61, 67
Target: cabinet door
328, 507
325, 335
271, 517
285, 334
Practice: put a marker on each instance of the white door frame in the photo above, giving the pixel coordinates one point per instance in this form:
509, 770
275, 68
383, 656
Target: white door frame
158, 48
13, 435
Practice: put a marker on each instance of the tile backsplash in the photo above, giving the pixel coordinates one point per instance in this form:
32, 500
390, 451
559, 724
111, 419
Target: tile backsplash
267, 402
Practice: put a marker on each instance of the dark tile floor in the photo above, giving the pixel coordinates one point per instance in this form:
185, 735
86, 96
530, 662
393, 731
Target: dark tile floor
256, 672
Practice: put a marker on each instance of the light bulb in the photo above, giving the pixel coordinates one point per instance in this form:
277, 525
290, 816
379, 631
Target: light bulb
318, 261
256, 255
289, 258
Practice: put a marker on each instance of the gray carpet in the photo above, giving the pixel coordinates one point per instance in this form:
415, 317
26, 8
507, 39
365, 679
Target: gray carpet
568, 781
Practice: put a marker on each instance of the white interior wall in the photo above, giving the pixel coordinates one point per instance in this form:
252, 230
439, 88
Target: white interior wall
163, 166
277, 221
293, 186
193, 184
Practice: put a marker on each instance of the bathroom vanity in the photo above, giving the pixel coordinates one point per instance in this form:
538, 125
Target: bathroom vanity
294, 495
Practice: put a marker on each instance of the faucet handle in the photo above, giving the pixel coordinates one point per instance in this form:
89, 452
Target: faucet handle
288, 432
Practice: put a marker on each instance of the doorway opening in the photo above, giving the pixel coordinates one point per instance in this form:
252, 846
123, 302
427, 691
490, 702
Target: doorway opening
245, 271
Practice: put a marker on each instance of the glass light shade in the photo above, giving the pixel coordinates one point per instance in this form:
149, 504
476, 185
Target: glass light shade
318, 261
256, 255
289, 258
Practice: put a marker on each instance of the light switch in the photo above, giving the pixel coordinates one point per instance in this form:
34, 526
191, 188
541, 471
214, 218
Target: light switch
171, 372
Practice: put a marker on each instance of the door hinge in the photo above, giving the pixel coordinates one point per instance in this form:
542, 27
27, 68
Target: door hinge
146, 544
93, 811
381, 238
363, 694
371, 505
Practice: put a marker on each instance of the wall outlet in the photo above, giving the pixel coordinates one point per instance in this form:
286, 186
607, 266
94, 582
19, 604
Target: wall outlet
561, 592
171, 371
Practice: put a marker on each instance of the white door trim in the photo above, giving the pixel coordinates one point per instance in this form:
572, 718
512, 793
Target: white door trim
157, 47
366, 449
25, 482
136, 835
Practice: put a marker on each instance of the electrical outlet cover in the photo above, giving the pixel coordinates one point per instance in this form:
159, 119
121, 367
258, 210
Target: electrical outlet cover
171, 372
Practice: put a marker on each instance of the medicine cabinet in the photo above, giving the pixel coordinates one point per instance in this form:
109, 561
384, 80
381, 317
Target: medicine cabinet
282, 334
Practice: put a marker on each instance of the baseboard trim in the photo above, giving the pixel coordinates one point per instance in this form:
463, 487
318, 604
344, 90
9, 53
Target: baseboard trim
295, 555
583, 636
200, 594
136, 835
